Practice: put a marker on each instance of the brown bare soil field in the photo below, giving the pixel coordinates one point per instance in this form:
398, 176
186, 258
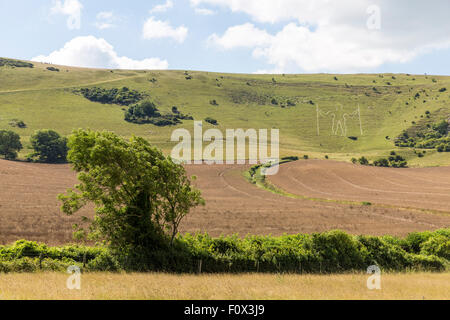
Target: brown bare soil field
29, 208
426, 188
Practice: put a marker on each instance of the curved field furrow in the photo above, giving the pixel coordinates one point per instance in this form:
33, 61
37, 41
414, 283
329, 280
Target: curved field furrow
29, 207
392, 181
342, 181
356, 196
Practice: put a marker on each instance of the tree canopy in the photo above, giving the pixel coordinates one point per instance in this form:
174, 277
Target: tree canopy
49, 146
140, 196
9, 144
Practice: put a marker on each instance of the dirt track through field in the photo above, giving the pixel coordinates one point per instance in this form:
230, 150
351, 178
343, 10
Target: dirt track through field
29, 208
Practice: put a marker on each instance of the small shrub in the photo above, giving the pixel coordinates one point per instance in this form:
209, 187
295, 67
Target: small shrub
211, 121
363, 161
17, 123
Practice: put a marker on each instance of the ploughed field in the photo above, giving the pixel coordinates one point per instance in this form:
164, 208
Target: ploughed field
29, 208
427, 188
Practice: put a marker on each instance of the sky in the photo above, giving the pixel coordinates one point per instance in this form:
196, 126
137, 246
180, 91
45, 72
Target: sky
238, 36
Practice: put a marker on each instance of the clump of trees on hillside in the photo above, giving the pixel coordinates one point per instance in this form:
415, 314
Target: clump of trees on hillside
147, 112
393, 161
123, 96
10, 144
49, 147
15, 63
432, 137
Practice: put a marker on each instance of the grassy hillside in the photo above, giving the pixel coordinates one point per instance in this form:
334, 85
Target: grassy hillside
388, 105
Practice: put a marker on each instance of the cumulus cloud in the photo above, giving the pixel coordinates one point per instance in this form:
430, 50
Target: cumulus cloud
245, 35
70, 8
105, 20
337, 36
309, 11
92, 52
162, 7
157, 29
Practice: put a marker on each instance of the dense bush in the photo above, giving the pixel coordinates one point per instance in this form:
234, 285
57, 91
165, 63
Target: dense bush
394, 161
53, 69
363, 161
147, 112
9, 144
432, 137
211, 121
123, 96
290, 103
49, 147
329, 252
15, 63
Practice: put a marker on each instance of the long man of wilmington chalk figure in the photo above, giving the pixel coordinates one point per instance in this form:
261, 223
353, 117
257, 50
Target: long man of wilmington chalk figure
339, 119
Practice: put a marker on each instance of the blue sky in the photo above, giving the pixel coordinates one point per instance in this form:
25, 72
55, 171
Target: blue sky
247, 36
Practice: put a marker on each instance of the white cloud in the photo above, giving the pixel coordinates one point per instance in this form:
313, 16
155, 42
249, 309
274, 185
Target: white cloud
157, 29
333, 36
162, 7
70, 8
104, 25
204, 11
245, 35
105, 20
92, 52
309, 11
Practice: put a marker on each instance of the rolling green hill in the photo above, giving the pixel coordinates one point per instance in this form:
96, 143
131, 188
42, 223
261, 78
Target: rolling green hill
388, 104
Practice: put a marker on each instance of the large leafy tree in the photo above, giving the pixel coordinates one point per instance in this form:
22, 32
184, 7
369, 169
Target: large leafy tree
49, 146
140, 196
9, 144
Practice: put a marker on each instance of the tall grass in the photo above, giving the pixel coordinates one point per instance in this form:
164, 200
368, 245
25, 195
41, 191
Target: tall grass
150, 286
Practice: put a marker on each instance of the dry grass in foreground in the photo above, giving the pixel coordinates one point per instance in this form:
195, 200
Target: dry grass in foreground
416, 286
